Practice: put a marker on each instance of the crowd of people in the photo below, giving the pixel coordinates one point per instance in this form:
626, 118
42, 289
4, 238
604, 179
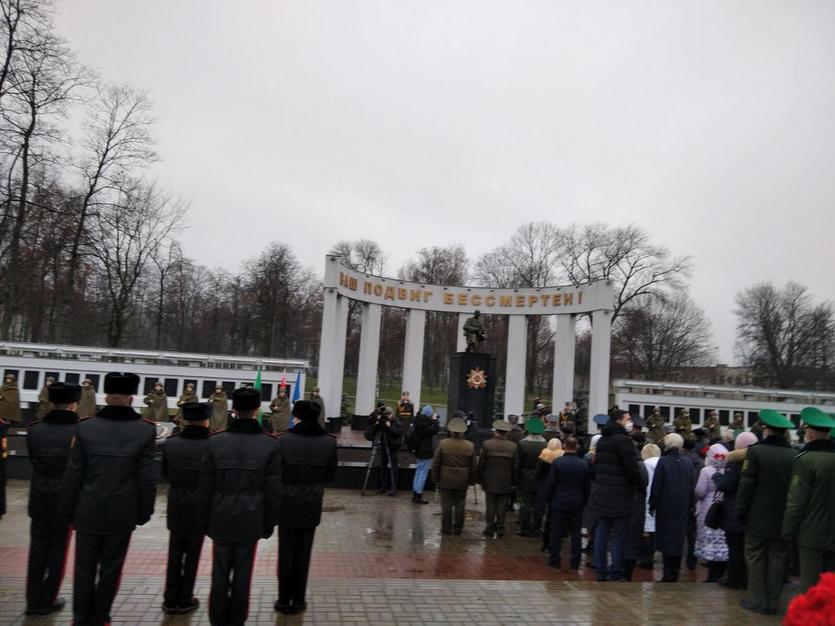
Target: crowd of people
751, 505
96, 476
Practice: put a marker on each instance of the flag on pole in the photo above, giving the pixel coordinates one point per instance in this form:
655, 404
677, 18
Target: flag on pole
297, 394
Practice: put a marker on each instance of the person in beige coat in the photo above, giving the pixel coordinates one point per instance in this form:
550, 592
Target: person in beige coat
220, 409
157, 402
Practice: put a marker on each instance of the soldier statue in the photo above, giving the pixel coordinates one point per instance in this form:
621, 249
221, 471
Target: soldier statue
10, 400
474, 332
655, 422
714, 431
683, 425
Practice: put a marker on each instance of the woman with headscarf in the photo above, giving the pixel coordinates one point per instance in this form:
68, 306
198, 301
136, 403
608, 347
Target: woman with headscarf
670, 500
650, 455
710, 542
727, 483
550, 453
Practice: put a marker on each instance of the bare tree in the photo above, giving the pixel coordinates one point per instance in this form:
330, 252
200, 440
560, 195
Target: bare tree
659, 340
124, 238
117, 143
625, 255
438, 266
40, 85
783, 336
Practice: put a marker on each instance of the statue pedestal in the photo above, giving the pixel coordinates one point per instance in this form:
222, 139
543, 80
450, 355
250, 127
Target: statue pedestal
461, 396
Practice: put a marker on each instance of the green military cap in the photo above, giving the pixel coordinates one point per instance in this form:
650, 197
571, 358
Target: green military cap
814, 417
535, 426
775, 419
501, 426
457, 425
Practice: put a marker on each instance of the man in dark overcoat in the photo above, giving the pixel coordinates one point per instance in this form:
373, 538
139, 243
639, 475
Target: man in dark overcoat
566, 494
616, 477
531, 508
498, 472
238, 499
761, 503
48, 442
671, 501
454, 470
307, 457
810, 509
182, 460
109, 489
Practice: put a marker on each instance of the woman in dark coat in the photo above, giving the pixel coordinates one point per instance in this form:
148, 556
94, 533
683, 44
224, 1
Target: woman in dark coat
671, 500
634, 540
728, 483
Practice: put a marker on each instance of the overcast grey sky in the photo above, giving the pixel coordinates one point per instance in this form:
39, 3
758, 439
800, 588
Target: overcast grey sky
415, 123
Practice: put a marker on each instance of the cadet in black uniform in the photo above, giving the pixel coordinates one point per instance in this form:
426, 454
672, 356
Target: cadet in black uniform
238, 496
308, 460
109, 488
48, 441
182, 460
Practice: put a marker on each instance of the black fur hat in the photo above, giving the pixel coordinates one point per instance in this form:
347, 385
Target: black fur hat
63, 393
121, 384
306, 410
196, 411
246, 399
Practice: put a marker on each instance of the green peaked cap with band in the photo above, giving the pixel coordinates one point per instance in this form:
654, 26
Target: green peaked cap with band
775, 419
814, 417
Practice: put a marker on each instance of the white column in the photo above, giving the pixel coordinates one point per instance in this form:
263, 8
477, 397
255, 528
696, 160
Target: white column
413, 354
461, 343
565, 341
335, 393
517, 352
327, 345
369, 355
601, 338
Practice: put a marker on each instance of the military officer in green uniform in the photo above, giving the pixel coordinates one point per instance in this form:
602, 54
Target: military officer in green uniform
683, 425
760, 504
810, 510
454, 470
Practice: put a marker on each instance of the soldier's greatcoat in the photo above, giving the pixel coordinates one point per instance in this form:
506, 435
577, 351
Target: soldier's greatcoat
10, 403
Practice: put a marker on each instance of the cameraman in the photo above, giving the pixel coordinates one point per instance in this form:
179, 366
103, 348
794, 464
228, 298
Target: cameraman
384, 429
424, 428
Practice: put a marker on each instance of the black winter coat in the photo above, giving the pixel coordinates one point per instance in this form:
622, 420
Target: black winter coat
391, 436
529, 452
424, 430
239, 483
616, 475
109, 485
182, 461
671, 499
307, 456
728, 482
569, 482
633, 540
48, 441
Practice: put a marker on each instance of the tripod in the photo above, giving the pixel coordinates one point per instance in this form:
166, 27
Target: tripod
380, 440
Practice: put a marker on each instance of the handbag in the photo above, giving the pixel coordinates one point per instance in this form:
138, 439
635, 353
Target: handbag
715, 516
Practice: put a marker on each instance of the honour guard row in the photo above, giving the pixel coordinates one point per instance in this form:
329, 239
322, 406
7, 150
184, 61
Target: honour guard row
96, 476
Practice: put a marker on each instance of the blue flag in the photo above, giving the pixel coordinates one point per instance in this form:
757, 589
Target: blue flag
296, 388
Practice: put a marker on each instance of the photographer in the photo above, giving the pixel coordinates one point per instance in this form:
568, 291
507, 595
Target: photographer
384, 430
424, 428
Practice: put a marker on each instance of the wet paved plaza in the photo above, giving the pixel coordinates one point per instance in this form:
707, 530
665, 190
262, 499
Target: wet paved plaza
382, 560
